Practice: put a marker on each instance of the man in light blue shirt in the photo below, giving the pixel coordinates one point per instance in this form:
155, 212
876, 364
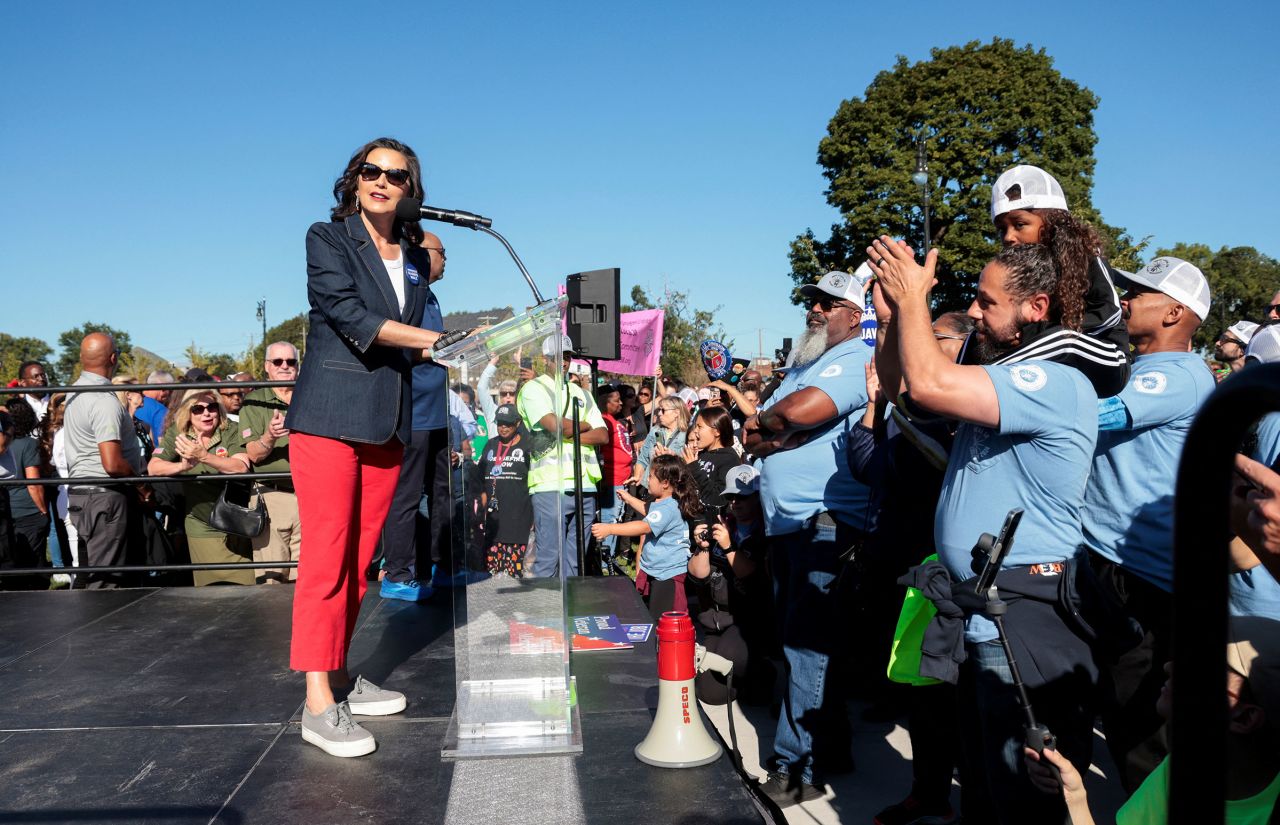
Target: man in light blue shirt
814, 510
1128, 512
1254, 591
1028, 429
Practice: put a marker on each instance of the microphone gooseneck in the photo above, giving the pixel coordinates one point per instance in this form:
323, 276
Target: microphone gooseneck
411, 209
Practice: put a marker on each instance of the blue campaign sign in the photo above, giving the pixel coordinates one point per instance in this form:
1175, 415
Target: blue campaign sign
869, 326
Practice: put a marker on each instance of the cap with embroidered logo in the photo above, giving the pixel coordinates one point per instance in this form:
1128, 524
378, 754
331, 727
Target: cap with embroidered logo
840, 285
742, 480
1178, 279
1243, 330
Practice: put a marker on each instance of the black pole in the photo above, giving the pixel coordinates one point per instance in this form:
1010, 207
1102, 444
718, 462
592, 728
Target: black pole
928, 234
106, 481
577, 487
173, 385
148, 568
537, 296
1202, 530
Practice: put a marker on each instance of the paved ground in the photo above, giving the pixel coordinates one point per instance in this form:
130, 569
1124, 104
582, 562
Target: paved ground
882, 751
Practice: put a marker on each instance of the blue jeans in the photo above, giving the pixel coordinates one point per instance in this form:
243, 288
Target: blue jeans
996, 787
553, 522
612, 508
813, 725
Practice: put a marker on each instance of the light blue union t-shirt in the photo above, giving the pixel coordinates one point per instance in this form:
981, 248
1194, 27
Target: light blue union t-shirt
797, 484
1037, 459
1128, 504
666, 551
1255, 592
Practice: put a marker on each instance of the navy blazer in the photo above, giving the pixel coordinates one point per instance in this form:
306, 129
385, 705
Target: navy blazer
350, 388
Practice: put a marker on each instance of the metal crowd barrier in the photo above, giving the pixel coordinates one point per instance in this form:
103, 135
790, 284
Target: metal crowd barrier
104, 481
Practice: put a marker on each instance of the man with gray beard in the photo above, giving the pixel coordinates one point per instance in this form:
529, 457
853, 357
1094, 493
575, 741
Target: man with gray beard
814, 511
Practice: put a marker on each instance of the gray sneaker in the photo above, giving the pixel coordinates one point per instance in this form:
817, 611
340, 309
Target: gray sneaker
335, 732
367, 699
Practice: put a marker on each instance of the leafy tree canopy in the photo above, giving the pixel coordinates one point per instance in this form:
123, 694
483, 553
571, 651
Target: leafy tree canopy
979, 108
1241, 281
683, 331
68, 366
292, 330
15, 350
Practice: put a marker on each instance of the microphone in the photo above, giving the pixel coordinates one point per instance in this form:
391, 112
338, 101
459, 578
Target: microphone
411, 209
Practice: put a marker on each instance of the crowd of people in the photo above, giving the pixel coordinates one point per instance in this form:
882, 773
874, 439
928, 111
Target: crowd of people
789, 509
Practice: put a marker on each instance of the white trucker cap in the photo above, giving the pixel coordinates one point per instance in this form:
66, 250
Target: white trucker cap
1264, 346
1180, 280
1037, 190
840, 285
1243, 330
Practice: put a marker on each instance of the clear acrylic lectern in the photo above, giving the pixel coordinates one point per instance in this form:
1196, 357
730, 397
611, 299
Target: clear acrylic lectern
514, 691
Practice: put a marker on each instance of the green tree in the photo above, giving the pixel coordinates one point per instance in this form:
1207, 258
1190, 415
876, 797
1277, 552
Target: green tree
15, 350
979, 108
220, 364
140, 363
292, 330
1241, 281
68, 366
683, 331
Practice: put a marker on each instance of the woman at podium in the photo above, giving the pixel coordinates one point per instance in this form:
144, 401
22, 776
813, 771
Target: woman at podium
348, 423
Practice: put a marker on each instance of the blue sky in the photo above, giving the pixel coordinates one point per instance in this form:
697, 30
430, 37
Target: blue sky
165, 160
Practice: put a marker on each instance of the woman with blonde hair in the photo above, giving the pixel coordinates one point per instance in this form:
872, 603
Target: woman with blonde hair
201, 442
666, 438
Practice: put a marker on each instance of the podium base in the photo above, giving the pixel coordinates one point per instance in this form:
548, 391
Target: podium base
513, 717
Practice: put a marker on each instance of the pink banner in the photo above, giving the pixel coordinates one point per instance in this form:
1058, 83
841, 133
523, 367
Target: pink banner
641, 343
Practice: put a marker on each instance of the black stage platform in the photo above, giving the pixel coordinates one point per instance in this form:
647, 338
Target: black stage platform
177, 705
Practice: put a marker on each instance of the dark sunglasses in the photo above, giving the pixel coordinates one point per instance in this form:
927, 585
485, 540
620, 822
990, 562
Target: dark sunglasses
371, 172
505, 394
229, 393
1227, 339
283, 362
829, 304
201, 409
1270, 309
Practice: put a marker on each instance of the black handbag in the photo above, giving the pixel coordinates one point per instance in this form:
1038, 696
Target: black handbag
231, 513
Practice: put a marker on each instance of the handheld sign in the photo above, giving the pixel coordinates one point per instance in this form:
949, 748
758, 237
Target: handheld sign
716, 360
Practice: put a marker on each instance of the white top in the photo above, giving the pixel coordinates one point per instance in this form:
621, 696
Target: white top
60, 462
395, 271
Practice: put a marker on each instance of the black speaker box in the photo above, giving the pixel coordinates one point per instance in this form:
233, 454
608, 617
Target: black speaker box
593, 322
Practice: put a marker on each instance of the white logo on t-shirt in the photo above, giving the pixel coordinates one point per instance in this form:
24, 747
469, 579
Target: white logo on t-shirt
1151, 383
654, 517
831, 371
1028, 377
517, 454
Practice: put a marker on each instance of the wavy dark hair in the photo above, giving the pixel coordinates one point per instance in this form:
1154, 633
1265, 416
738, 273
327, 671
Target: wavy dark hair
1074, 244
718, 419
670, 469
344, 188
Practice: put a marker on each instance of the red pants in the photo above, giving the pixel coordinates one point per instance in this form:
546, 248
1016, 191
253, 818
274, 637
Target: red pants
344, 491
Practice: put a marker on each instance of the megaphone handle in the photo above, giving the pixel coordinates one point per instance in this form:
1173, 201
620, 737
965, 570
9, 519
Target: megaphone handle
1040, 739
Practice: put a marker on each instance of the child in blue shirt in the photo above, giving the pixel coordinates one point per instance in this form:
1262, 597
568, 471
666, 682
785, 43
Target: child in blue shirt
665, 556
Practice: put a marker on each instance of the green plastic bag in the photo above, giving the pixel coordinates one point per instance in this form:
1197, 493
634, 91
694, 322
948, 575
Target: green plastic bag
904, 656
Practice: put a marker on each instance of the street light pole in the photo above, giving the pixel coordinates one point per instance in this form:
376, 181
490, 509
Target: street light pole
921, 179
262, 316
